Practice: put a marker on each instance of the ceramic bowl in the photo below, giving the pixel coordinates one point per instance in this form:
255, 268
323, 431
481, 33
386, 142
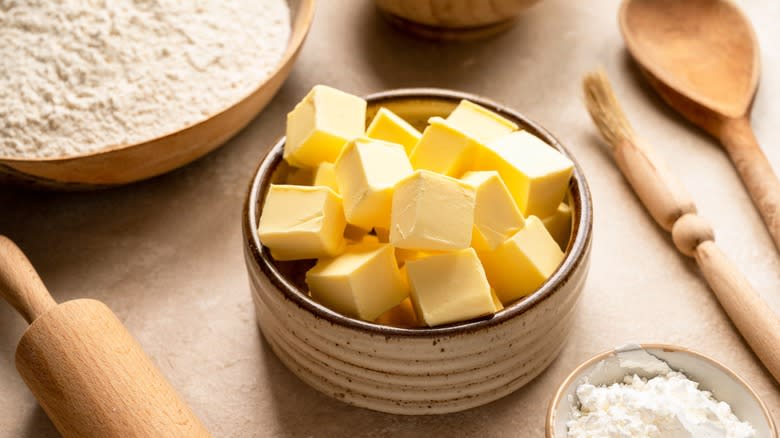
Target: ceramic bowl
712, 376
127, 163
424, 370
453, 19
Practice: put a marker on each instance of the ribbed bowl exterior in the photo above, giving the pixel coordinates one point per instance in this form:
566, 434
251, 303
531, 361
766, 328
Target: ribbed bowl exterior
415, 375
416, 371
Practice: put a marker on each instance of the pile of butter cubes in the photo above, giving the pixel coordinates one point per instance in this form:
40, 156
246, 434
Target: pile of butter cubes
413, 229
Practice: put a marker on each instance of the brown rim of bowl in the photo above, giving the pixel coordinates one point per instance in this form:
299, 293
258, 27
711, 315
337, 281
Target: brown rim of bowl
575, 374
294, 44
575, 253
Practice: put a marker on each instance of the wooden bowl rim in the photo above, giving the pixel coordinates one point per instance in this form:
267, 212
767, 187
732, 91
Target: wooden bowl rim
303, 18
575, 255
580, 369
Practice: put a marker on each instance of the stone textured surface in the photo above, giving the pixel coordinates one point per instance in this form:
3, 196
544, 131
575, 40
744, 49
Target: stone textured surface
166, 254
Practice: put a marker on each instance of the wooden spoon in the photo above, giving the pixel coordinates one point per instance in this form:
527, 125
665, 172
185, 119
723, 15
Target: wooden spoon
702, 57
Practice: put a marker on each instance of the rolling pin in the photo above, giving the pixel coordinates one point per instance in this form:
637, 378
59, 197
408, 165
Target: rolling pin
673, 209
88, 373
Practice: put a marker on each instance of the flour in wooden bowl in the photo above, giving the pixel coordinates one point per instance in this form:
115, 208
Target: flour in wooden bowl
80, 76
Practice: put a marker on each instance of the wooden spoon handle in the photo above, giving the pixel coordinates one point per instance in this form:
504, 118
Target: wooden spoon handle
20, 285
755, 170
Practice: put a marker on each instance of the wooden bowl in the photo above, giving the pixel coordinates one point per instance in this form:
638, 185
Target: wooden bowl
424, 370
453, 19
712, 375
128, 163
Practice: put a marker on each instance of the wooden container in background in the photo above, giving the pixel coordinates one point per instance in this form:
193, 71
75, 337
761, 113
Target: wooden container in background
453, 19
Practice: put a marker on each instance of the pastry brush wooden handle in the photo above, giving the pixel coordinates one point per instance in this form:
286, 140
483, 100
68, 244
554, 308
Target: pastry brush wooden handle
20, 285
759, 326
671, 206
662, 194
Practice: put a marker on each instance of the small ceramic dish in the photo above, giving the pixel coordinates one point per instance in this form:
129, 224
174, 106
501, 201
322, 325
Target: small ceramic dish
453, 19
133, 162
421, 370
713, 376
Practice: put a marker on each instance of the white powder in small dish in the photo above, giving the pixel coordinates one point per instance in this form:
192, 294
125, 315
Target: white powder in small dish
666, 406
78, 76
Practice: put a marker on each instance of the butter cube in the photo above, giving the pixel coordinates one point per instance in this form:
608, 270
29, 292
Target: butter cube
432, 212
301, 222
297, 176
321, 124
366, 173
387, 126
404, 255
479, 122
559, 225
383, 234
325, 175
496, 300
536, 174
402, 315
444, 149
363, 282
523, 263
449, 287
355, 234
496, 216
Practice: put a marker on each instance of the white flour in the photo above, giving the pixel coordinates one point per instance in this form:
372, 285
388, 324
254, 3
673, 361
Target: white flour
665, 406
78, 76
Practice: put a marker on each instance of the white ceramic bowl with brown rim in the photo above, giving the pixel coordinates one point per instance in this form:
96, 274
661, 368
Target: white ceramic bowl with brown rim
713, 376
425, 370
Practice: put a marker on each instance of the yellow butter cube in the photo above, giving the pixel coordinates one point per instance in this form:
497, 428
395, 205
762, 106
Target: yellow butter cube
403, 255
402, 315
363, 282
321, 124
383, 234
523, 263
536, 174
301, 222
444, 149
496, 300
325, 175
355, 234
366, 173
479, 122
449, 287
297, 176
496, 216
559, 224
432, 212
387, 126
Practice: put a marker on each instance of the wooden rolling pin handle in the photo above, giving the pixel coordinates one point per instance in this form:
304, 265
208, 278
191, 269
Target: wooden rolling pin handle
20, 285
661, 193
755, 170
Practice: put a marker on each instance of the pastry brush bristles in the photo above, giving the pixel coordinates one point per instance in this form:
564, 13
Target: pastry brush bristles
605, 110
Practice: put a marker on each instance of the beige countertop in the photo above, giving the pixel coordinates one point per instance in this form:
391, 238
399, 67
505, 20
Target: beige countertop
166, 254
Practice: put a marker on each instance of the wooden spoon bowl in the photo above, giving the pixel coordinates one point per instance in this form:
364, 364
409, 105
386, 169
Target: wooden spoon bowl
133, 162
702, 57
